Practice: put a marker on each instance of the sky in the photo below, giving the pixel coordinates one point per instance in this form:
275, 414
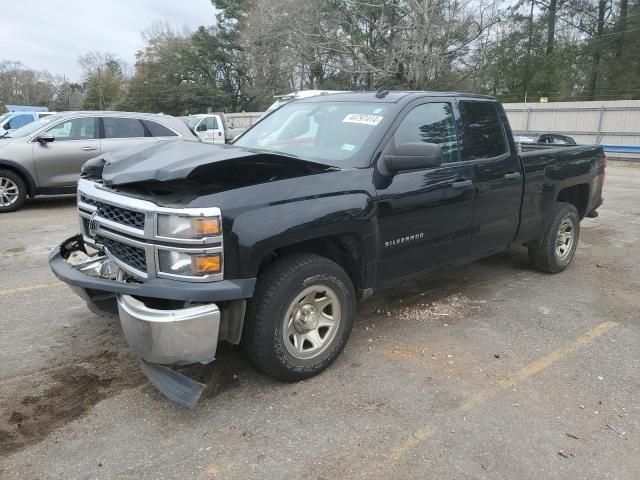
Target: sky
50, 35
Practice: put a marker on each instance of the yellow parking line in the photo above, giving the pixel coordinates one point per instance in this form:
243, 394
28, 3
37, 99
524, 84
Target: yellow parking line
509, 381
415, 439
28, 289
537, 366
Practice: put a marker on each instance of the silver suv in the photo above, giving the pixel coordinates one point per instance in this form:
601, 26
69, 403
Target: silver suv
45, 156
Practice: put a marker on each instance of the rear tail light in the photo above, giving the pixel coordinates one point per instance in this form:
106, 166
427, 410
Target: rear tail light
604, 169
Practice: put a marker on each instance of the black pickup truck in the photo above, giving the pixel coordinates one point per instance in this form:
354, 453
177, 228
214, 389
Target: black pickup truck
271, 241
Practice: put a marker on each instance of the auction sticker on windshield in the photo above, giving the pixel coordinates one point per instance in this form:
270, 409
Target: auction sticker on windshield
362, 118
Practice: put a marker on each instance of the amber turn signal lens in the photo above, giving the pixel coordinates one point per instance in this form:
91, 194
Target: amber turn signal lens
206, 264
206, 226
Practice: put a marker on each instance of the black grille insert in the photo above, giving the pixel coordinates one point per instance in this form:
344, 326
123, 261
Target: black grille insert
116, 214
128, 254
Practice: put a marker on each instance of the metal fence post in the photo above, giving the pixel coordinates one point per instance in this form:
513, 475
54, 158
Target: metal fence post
598, 135
526, 125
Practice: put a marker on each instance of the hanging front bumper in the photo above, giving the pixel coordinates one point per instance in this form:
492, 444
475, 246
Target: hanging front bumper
170, 337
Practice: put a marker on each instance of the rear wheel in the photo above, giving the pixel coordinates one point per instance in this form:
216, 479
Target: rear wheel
13, 191
300, 317
554, 252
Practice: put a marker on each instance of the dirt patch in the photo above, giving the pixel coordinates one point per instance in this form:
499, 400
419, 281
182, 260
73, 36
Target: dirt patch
69, 392
451, 307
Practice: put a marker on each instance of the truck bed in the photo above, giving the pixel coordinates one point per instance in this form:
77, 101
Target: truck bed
548, 171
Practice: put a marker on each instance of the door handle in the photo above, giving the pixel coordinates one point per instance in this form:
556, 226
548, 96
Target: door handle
512, 175
88, 149
462, 184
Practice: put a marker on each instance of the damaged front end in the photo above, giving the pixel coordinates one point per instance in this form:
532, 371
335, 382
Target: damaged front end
158, 336
172, 314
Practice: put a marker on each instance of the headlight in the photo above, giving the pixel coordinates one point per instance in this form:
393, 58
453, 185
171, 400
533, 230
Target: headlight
189, 264
174, 226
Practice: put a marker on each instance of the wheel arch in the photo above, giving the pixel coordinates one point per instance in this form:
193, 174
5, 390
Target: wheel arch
346, 249
22, 172
576, 195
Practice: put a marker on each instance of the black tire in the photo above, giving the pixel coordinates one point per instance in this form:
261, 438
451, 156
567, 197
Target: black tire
278, 290
22, 191
544, 255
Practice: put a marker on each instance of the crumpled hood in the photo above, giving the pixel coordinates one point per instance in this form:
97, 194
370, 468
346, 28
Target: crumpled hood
168, 160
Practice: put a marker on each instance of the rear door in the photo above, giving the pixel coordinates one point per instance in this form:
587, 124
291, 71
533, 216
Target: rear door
497, 174
58, 163
122, 132
424, 216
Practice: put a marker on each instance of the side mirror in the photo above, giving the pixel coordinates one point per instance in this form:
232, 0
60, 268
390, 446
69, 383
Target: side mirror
45, 138
411, 156
202, 127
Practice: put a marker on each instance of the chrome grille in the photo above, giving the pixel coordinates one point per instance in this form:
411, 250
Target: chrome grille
127, 254
126, 228
121, 215
88, 201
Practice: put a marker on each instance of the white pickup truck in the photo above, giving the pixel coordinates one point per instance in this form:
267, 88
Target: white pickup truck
213, 128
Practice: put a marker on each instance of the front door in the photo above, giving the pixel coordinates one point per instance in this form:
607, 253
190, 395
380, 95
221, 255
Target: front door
498, 177
58, 163
210, 131
425, 216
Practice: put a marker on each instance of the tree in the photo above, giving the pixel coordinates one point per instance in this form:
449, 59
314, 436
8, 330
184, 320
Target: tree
105, 80
24, 86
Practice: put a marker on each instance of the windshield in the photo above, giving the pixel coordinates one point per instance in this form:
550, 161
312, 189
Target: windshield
33, 126
330, 132
193, 121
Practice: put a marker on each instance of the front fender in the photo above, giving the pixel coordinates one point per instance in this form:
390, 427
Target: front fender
260, 231
23, 172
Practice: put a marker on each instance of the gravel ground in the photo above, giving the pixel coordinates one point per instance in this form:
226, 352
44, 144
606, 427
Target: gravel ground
489, 371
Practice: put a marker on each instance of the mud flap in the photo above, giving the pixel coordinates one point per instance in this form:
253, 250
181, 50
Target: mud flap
173, 385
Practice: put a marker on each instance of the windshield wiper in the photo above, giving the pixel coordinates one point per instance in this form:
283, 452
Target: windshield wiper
4, 134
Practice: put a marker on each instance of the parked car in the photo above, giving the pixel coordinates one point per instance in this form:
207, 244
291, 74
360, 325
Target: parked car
45, 156
543, 138
11, 121
213, 128
270, 242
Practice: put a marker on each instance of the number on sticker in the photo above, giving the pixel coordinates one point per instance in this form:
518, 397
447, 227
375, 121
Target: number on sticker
362, 119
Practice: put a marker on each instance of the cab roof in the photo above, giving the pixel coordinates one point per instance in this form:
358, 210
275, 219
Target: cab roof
392, 96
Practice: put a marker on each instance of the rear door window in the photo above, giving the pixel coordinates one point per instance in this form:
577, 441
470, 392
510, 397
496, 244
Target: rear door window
483, 132
560, 140
122, 127
157, 130
430, 123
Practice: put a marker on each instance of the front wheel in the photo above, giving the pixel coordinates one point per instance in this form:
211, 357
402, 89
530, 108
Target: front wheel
554, 252
300, 317
13, 191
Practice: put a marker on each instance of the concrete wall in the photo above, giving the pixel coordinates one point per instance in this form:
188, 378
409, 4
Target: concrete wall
242, 120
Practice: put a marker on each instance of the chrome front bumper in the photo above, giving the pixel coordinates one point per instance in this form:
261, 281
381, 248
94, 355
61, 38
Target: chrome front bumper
170, 337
